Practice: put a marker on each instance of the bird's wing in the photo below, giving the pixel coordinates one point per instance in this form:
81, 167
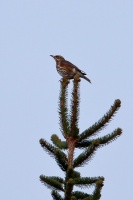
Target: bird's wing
69, 64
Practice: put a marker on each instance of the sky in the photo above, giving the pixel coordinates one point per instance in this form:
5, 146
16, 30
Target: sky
96, 36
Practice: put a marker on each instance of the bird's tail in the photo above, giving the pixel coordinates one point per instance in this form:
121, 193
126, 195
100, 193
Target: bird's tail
85, 78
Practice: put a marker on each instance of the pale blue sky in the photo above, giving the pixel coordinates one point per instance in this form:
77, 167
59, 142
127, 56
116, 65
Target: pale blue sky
97, 36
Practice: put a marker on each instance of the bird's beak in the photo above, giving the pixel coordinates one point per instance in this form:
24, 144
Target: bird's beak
52, 56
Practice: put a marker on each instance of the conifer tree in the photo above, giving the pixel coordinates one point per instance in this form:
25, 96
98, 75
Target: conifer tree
73, 140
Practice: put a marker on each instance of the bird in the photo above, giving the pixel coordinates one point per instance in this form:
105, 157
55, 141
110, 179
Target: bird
67, 69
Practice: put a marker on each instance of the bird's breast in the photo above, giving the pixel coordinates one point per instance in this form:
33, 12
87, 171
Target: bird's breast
61, 70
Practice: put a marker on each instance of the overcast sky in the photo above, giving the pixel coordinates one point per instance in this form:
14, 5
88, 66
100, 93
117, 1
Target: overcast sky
97, 36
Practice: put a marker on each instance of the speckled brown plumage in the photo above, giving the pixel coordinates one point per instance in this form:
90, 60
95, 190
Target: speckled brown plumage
67, 69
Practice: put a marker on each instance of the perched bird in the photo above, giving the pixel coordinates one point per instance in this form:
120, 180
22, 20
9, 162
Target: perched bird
67, 69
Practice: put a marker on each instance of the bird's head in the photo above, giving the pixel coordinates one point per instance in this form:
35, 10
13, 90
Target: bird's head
57, 58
